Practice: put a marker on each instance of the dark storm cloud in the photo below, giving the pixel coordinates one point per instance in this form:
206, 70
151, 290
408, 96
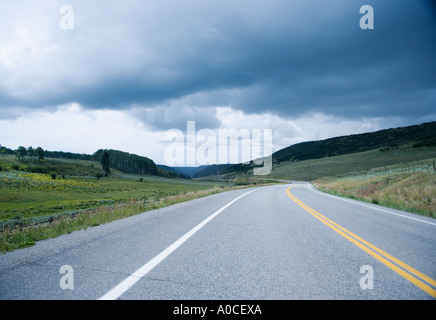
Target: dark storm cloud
284, 57
339, 68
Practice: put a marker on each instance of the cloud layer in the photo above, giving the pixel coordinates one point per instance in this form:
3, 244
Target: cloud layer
165, 62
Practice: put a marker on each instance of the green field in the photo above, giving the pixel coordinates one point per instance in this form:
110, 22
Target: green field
27, 194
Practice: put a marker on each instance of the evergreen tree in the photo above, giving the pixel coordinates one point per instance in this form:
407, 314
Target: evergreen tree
105, 162
21, 152
39, 152
30, 152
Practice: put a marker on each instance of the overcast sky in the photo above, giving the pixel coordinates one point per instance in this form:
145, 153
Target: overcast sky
129, 70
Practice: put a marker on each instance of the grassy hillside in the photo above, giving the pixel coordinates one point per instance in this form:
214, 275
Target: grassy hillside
340, 155
35, 188
211, 170
73, 167
413, 190
41, 190
423, 135
351, 164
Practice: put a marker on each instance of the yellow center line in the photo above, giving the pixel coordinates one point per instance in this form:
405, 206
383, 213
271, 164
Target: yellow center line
374, 251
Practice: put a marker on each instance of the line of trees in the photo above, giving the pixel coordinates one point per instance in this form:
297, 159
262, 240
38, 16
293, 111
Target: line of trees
131, 163
125, 162
67, 155
119, 160
22, 152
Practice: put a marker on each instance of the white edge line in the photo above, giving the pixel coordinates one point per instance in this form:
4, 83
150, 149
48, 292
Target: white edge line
368, 206
127, 283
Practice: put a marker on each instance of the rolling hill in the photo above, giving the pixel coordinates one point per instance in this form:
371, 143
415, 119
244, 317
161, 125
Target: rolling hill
417, 136
341, 155
122, 161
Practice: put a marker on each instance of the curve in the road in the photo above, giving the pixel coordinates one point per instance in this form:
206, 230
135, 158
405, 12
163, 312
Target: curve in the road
393, 263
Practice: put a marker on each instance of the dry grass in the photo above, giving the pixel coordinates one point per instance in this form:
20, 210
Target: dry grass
414, 192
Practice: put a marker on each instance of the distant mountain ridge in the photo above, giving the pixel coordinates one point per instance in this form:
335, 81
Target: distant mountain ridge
188, 171
210, 170
196, 172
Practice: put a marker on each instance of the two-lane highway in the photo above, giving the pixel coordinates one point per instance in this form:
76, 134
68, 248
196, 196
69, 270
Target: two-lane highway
280, 242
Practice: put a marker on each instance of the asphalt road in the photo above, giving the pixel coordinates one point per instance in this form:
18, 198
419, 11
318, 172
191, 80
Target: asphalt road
280, 242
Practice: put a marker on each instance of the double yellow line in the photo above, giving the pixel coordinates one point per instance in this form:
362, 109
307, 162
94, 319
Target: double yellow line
406, 271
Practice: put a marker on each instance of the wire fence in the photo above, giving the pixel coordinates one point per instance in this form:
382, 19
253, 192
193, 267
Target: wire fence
416, 167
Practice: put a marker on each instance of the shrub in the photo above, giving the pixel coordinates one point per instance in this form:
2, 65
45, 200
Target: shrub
36, 169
